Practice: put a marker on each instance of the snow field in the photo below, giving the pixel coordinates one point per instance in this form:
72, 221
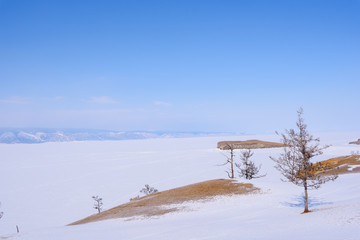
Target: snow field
46, 186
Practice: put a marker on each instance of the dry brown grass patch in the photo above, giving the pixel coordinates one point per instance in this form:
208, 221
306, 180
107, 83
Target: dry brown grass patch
340, 165
155, 204
248, 144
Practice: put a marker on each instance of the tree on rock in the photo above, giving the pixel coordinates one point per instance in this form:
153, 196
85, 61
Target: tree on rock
294, 163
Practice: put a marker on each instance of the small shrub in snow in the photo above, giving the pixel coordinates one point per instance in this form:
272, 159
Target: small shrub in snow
148, 190
247, 168
98, 203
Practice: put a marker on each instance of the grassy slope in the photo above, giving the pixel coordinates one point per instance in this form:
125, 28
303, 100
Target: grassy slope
155, 204
343, 164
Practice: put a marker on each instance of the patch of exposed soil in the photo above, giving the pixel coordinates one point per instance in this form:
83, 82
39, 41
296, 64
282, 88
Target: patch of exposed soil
248, 144
155, 204
342, 165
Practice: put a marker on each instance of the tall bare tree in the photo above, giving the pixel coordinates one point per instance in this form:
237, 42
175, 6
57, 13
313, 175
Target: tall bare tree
247, 168
294, 163
230, 159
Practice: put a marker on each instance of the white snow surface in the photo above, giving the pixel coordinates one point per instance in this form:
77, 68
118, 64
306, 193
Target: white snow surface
46, 186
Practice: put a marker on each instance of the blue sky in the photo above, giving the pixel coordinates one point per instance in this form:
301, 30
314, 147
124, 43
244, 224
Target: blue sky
238, 66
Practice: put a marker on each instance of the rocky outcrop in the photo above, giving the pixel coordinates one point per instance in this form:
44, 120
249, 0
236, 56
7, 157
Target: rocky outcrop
249, 144
356, 142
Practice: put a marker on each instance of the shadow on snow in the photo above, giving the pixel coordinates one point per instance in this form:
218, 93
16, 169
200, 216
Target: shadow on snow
298, 201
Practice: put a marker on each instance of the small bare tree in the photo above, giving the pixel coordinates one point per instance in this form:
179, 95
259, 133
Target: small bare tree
98, 203
229, 159
247, 168
148, 190
294, 163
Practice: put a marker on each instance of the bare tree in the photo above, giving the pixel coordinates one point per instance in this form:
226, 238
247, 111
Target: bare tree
148, 190
247, 168
229, 159
98, 203
294, 163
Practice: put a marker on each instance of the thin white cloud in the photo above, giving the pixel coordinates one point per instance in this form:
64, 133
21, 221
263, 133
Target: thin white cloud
58, 98
54, 99
160, 103
15, 100
103, 100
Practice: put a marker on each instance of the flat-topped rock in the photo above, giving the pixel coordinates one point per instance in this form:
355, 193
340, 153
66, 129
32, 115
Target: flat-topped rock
248, 144
356, 142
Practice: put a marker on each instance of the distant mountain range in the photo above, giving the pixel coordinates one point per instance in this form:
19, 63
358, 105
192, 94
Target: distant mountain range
34, 135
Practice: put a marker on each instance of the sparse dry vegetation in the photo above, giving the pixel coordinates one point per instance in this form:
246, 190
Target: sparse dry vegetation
341, 165
155, 204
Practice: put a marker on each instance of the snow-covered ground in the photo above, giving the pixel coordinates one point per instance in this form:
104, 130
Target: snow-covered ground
46, 186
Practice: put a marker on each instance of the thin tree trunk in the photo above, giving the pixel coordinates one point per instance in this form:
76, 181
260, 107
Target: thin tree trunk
232, 164
306, 210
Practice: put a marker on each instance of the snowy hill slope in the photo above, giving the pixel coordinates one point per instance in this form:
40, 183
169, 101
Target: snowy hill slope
44, 187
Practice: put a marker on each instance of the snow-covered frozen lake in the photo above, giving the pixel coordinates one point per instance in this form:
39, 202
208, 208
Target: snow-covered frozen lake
46, 186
